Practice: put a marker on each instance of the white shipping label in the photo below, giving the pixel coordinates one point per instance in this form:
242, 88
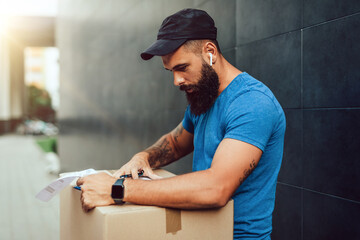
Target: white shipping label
59, 184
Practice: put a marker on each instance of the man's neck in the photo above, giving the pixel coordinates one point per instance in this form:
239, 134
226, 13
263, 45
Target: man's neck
226, 73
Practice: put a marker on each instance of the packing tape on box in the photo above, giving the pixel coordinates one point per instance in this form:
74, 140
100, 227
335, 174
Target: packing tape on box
173, 220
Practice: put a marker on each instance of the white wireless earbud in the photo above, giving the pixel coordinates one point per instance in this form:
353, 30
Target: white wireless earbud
210, 59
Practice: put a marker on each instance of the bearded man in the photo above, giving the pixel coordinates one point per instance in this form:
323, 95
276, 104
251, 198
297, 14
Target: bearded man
233, 124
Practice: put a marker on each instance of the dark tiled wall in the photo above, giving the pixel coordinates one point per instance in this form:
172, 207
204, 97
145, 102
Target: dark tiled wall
113, 104
308, 53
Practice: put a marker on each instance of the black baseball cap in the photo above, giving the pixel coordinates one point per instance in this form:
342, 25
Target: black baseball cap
175, 30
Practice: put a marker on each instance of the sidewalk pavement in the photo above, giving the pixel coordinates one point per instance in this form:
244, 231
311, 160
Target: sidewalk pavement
22, 175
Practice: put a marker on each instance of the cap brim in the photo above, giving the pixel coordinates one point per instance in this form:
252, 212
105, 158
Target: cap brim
162, 47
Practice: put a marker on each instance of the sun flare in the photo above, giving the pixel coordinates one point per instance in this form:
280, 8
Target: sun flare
3, 24
28, 7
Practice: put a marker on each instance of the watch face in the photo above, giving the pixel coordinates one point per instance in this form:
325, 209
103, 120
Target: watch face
117, 190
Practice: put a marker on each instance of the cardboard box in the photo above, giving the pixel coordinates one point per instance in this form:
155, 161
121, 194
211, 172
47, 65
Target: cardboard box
131, 221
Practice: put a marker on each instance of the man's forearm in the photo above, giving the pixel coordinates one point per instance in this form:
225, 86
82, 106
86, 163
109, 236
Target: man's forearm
169, 148
190, 191
162, 152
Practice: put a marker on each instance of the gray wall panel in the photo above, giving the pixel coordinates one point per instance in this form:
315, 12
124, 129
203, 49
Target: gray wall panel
259, 19
287, 213
331, 64
324, 10
327, 217
291, 171
277, 63
331, 152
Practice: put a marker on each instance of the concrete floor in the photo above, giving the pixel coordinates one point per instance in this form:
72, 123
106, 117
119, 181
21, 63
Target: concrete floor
22, 175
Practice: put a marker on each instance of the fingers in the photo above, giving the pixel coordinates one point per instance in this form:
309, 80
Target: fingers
137, 163
134, 166
86, 205
134, 173
127, 171
80, 182
149, 172
95, 190
119, 172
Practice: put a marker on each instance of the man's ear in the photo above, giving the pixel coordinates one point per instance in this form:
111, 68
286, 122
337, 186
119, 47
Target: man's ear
210, 52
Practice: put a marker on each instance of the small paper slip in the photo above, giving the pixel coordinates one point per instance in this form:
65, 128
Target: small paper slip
57, 185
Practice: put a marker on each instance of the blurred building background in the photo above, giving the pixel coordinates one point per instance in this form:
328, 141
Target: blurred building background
113, 104
28, 101
26, 32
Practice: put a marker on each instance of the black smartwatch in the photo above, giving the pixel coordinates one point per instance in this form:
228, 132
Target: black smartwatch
117, 191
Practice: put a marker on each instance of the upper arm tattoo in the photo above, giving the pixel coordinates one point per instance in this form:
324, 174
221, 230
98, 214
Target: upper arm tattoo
248, 171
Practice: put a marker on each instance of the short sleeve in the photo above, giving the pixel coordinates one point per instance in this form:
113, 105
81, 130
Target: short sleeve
251, 118
187, 121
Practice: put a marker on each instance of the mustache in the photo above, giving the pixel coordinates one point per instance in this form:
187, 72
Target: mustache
187, 87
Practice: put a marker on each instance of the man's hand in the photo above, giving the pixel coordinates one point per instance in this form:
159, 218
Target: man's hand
137, 163
96, 190
167, 149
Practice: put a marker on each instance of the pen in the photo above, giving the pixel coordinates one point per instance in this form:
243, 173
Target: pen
140, 173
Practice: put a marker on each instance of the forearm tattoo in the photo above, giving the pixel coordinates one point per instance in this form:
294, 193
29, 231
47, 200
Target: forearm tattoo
178, 132
248, 171
162, 152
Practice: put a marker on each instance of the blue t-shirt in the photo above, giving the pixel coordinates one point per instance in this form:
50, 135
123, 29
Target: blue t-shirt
247, 111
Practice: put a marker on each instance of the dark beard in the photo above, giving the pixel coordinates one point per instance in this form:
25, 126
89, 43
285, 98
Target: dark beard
204, 92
